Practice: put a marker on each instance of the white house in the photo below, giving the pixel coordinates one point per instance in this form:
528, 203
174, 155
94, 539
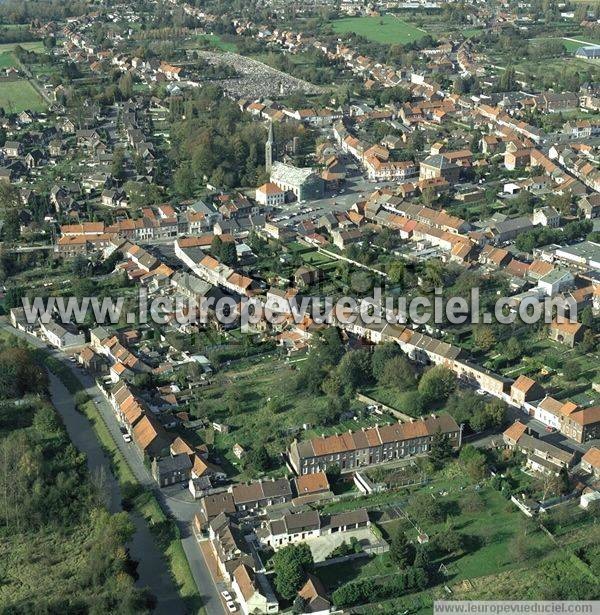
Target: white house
548, 412
253, 595
270, 195
62, 336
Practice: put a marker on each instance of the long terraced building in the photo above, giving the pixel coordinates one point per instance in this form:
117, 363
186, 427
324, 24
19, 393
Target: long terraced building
373, 446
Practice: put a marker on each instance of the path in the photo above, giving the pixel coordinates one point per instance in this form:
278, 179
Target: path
584, 43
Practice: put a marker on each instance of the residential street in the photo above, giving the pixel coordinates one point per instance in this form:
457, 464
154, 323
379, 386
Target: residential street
178, 504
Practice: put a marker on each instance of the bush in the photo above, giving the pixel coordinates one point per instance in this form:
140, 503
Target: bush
360, 592
81, 398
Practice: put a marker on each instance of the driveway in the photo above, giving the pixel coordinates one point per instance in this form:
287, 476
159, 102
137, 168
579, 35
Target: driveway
177, 505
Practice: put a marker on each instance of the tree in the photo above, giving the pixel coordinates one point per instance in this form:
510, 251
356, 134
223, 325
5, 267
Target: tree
571, 370
382, 354
228, 253
80, 266
588, 343
463, 404
9, 196
495, 412
434, 272
183, 181
423, 557
561, 483
333, 473
45, 422
484, 337
328, 348
118, 164
471, 502
448, 540
402, 552
473, 461
507, 81
126, 85
398, 373
514, 349
424, 506
258, 459
587, 317
396, 272
11, 231
413, 403
441, 450
299, 605
291, 565
437, 384
354, 369
520, 547
216, 246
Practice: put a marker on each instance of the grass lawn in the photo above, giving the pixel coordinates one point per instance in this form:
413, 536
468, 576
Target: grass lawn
217, 41
19, 95
212, 40
256, 420
337, 574
37, 46
493, 528
571, 43
387, 29
7, 60
389, 396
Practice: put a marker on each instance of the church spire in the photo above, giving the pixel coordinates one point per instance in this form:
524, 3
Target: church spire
269, 149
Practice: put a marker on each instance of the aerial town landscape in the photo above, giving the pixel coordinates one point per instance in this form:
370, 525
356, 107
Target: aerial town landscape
299, 305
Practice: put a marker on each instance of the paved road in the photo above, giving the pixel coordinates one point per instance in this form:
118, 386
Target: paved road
178, 503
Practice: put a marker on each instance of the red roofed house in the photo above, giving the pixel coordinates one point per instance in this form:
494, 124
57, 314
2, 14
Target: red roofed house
525, 389
590, 462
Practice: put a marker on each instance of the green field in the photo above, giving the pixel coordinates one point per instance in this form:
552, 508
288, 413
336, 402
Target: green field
36, 46
213, 40
571, 44
387, 29
19, 95
7, 60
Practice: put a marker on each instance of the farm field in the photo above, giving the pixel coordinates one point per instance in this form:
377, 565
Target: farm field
387, 29
19, 95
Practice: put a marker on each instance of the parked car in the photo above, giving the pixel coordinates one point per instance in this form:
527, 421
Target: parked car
231, 606
226, 595
127, 438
